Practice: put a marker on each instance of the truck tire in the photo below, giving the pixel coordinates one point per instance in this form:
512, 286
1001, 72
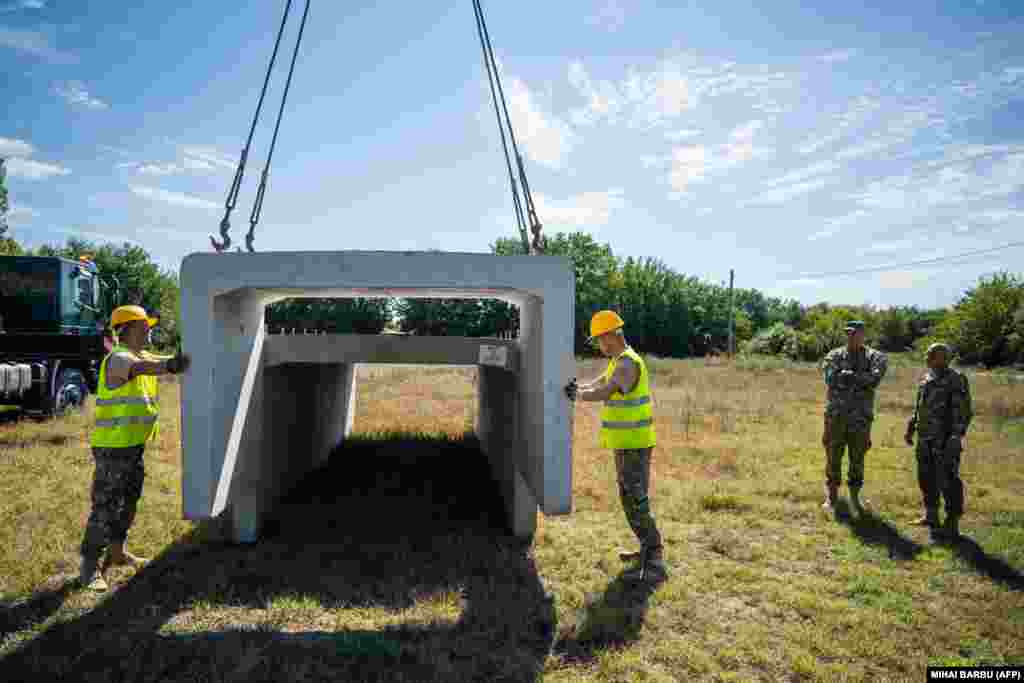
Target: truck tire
69, 392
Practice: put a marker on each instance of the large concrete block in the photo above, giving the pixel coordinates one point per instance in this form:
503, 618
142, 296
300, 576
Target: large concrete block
259, 411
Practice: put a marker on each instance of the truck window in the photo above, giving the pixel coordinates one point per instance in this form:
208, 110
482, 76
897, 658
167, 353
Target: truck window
85, 291
29, 293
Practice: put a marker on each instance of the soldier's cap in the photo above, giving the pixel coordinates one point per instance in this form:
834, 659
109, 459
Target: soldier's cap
939, 346
854, 325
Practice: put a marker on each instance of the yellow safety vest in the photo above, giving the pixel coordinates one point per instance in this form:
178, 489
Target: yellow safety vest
126, 416
627, 419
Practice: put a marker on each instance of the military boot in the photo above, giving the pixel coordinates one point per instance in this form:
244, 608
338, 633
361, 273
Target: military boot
930, 518
650, 569
950, 530
89, 575
855, 501
831, 493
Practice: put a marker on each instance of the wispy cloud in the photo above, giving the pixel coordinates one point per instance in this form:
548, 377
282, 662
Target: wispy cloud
77, 95
603, 98
689, 165
159, 169
545, 138
30, 169
22, 4
783, 194
680, 135
838, 56
19, 214
610, 15
588, 209
36, 44
198, 157
10, 147
834, 225
820, 168
176, 198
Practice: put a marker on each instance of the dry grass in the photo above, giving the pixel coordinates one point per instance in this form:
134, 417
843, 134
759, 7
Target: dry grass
381, 567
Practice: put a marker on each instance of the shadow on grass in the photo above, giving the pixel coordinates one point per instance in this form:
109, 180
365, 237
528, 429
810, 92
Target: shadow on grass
382, 527
612, 620
873, 530
991, 566
37, 608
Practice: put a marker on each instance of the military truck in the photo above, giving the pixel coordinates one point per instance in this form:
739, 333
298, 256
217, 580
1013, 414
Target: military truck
53, 335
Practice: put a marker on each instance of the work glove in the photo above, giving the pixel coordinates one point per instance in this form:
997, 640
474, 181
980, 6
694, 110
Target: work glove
570, 389
178, 364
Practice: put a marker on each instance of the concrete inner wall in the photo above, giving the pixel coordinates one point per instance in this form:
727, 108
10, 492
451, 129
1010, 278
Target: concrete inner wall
259, 412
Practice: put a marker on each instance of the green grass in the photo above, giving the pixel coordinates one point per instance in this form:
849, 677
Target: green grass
380, 567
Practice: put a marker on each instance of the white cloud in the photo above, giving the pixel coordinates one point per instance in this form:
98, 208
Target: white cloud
545, 138
18, 214
662, 94
603, 99
838, 56
611, 15
902, 279
200, 158
746, 131
680, 135
15, 148
176, 198
77, 95
689, 164
783, 194
158, 169
29, 169
587, 209
893, 245
22, 4
36, 44
835, 225
820, 168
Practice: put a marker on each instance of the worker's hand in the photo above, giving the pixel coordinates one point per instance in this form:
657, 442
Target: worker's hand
571, 389
178, 364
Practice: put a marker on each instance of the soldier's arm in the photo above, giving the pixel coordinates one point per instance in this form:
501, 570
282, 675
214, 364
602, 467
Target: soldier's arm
961, 408
912, 424
829, 370
870, 379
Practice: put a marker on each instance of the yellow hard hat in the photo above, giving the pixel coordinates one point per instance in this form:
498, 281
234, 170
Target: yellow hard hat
604, 322
126, 314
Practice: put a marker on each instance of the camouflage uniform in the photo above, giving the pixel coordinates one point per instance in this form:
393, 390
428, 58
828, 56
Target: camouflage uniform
942, 410
850, 410
116, 488
633, 471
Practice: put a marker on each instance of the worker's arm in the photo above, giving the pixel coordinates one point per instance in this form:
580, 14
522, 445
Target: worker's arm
123, 367
623, 380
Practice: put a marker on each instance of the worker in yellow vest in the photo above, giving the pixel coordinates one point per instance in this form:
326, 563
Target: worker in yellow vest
627, 427
126, 420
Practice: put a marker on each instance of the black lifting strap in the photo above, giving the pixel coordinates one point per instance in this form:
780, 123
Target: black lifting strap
236, 185
530, 211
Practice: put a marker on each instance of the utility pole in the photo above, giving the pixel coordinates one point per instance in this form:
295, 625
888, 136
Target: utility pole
732, 316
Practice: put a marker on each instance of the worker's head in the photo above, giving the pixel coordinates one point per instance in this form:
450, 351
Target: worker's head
855, 334
132, 325
938, 356
606, 333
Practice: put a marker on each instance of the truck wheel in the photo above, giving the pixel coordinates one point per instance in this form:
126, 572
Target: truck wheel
70, 393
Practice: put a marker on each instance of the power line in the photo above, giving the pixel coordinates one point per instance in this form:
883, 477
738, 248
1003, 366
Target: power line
900, 266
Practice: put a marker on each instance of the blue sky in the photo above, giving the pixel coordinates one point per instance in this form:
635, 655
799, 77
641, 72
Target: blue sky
800, 139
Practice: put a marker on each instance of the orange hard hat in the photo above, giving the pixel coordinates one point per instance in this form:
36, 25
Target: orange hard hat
604, 322
126, 314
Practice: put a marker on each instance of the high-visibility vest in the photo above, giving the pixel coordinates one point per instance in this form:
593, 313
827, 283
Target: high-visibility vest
627, 419
126, 416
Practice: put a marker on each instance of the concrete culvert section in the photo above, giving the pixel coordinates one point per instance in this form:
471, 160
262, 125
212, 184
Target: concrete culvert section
260, 412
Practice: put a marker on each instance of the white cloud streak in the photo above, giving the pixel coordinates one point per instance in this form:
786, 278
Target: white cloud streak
35, 44
76, 94
588, 209
838, 56
10, 147
29, 169
176, 198
610, 16
545, 138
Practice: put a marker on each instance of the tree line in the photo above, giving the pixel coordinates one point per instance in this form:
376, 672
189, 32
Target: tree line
668, 314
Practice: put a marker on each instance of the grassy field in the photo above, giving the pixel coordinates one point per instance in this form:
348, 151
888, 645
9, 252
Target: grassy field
381, 567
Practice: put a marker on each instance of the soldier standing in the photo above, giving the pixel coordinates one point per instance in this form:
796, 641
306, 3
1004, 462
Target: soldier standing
852, 374
942, 414
126, 420
627, 428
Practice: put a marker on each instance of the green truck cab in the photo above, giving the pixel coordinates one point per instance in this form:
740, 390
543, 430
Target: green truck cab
52, 331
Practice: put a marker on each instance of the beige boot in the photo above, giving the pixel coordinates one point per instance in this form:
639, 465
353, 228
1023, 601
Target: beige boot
831, 493
118, 556
90, 576
930, 518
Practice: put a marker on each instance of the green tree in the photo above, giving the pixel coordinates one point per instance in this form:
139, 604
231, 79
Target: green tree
8, 246
982, 323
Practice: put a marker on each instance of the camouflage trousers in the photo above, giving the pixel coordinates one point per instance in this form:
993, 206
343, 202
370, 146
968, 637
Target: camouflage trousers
633, 471
116, 488
853, 439
938, 473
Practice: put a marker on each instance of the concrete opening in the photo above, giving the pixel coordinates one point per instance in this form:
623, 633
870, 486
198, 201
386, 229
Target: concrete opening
261, 411
428, 400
